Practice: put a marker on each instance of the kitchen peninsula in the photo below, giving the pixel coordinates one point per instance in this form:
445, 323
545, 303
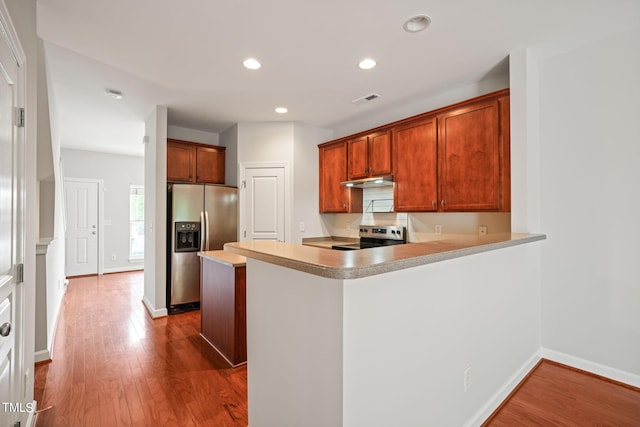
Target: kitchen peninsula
222, 307
375, 337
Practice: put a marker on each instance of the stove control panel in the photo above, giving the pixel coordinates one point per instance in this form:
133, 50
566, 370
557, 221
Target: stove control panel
387, 232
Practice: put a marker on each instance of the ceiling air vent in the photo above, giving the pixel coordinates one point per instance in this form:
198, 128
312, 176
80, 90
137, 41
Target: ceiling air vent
365, 98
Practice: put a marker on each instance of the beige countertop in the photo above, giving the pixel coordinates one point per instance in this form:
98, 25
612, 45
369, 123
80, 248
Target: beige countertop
327, 242
224, 257
368, 262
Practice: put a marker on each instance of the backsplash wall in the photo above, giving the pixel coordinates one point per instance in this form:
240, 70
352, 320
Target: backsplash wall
420, 225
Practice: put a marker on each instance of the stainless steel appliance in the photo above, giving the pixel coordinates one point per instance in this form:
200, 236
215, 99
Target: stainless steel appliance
373, 236
199, 218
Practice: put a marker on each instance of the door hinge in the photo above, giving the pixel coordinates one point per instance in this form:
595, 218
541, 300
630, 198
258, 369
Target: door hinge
244, 184
19, 273
244, 233
20, 117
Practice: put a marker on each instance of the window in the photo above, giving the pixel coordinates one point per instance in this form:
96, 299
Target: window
136, 222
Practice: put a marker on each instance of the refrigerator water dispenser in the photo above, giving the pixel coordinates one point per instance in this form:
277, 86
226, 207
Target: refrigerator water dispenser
187, 237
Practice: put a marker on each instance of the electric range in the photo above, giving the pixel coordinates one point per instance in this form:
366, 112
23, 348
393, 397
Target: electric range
374, 236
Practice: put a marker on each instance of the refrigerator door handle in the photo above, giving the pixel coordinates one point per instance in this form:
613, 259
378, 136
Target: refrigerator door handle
206, 220
203, 232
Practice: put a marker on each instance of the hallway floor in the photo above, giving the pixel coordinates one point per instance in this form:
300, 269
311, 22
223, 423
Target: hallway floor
114, 365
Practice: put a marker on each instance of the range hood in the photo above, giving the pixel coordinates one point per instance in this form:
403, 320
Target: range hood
378, 181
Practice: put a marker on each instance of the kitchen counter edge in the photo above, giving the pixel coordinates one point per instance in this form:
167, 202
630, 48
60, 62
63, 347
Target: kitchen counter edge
357, 264
224, 257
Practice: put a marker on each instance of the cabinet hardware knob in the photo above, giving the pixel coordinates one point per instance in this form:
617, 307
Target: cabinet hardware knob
442, 203
5, 329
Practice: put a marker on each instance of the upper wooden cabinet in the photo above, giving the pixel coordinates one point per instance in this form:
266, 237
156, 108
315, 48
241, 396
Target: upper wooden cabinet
370, 155
456, 160
470, 152
335, 198
416, 166
180, 161
192, 162
210, 164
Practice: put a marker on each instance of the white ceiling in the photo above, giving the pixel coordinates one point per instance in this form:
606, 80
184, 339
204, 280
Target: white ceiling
187, 55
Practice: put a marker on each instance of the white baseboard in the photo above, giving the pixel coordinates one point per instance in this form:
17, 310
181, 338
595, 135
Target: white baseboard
153, 312
504, 391
41, 356
123, 269
47, 354
593, 367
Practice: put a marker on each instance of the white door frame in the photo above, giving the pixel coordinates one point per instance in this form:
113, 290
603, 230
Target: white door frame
242, 203
100, 183
23, 375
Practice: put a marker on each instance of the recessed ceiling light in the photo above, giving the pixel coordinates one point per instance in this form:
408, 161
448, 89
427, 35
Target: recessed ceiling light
281, 110
251, 63
416, 23
367, 64
114, 94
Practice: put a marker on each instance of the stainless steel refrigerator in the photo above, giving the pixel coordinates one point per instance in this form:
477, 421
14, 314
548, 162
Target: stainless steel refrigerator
199, 218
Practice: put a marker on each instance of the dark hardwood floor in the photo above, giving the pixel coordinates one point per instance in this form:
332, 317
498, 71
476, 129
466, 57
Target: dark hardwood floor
113, 365
557, 395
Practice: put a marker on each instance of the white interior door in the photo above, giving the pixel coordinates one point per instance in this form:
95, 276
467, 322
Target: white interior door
264, 204
11, 241
81, 202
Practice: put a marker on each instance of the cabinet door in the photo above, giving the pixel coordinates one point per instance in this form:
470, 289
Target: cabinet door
469, 158
180, 162
210, 165
358, 158
415, 170
333, 170
380, 154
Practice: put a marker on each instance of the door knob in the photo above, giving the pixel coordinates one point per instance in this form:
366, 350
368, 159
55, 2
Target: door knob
5, 329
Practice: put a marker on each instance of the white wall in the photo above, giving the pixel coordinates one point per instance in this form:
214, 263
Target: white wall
267, 143
589, 133
409, 335
192, 135
155, 213
305, 183
296, 145
392, 113
118, 173
229, 139
50, 274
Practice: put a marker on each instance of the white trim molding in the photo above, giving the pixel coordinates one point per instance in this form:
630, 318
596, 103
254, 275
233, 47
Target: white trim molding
153, 312
504, 391
124, 269
592, 367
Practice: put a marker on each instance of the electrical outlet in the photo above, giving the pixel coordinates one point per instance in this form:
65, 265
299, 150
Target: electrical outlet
483, 230
438, 229
302, 227
113, 257
467, 379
